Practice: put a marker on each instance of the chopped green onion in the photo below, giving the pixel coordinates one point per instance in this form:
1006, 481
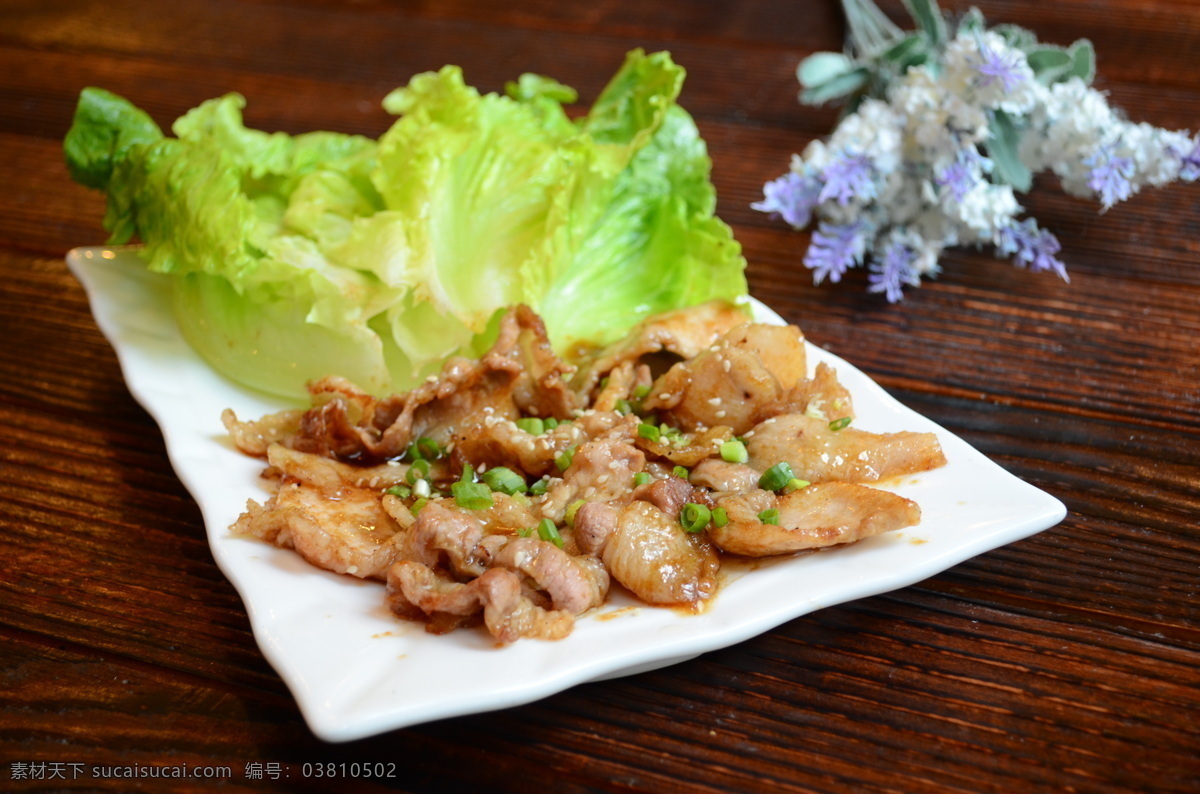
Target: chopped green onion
776, 477
770, 516
417, 505
649, 432
572, 509
403, 491
624, 407
694, 517
504, 480
471, 495
734, 451
719, 517
428, 449
418, 470
547, 531
642, 391
641, 478
532, 425
795, 484
838, 424
550, 423
525, 532
563, 461
680, 471
539, 487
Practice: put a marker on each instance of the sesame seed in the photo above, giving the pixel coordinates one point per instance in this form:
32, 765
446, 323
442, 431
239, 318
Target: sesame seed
720, 414
714, 400
726, 364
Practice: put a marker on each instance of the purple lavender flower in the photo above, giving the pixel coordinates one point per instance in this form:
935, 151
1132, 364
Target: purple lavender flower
997, 66
896, 270
1109, 176
960, 176
835, 249
848, 177
1031, 247
1189, 162
792, 197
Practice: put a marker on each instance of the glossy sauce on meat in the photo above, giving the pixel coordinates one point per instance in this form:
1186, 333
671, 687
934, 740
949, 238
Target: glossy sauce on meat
513, 491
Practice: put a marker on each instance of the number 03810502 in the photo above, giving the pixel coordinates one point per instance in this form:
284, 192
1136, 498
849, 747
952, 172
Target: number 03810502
348, 770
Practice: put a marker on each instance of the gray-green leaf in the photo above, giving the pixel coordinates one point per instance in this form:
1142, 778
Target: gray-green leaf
909, 51
840, 86
1003, 147
1049, 63
1083, 62
822, 67
929, 19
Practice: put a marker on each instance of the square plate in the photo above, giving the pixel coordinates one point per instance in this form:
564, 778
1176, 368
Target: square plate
356, 670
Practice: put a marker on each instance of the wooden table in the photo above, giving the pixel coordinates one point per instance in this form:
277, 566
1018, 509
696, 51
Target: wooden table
1068, 661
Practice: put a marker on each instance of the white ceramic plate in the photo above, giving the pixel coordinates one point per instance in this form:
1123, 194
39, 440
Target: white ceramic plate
356, 670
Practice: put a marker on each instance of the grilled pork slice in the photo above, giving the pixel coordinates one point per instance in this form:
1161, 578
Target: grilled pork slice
330, 513
651, 555
821, 515
818, 453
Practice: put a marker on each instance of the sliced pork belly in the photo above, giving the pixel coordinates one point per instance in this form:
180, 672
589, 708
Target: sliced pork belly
821, 515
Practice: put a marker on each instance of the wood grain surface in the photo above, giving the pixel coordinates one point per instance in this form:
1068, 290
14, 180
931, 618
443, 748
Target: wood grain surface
1066, 662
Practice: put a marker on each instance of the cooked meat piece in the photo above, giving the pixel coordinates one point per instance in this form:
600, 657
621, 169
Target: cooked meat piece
541, 389
347, 423
600, 471
506, 514
574, 584
509, 615
818, 454
822, 396
687, 449
736, 382
332, 474
682, 333
465, 388
489, 440
446, 537
668, 494
620, 383
820, 515
335, 525
656, 559
254, 437
594, 522
414, 591
719, 475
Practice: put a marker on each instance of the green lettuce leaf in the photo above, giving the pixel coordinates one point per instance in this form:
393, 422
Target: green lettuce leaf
294, 257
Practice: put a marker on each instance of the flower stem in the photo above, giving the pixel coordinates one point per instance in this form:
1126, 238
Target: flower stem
871, 32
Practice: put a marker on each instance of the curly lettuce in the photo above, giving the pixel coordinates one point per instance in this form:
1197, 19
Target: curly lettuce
295, 257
